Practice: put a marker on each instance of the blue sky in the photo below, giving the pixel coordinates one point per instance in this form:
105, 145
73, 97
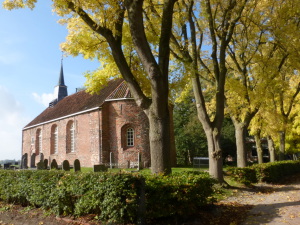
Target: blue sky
30, 60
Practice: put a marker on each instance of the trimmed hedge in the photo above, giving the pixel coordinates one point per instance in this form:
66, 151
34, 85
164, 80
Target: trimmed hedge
246, 175
274, 172
116, 198
266, 172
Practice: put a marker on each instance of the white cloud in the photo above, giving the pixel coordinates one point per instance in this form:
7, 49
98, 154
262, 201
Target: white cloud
12, 120
43, 99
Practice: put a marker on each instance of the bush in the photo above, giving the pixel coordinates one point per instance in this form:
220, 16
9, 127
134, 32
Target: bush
179, 194
275, 171
246, 176
266, 172
114, 198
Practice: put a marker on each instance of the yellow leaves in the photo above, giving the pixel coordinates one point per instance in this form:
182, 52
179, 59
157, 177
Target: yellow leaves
15, 4
95, 80
186, 90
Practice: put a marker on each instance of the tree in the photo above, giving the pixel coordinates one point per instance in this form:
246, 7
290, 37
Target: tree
189, 135
115, 30
207, 23
284, 25
244, 86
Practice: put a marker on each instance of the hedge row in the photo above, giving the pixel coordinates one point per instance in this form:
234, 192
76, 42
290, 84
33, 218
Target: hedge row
266, 172
117, 198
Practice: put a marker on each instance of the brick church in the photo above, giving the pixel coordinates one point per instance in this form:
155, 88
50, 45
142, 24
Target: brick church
95, 129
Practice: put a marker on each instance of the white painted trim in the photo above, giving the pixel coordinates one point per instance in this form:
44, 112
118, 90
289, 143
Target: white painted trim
63, 117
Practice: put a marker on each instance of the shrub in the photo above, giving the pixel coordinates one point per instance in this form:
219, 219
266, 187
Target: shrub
179, 194
275, 171
246, 176
114, 198
266, 172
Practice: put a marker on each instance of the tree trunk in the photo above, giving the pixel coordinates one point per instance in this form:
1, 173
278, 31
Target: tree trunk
241, 151
282, 145
271, 148
159, 136
258, 148
214, 154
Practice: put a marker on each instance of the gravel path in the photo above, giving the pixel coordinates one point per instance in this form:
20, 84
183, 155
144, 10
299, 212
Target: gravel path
273, 204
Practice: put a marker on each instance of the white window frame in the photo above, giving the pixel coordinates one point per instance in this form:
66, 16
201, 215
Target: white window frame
55, 140
40, 141
130, 137
72, 137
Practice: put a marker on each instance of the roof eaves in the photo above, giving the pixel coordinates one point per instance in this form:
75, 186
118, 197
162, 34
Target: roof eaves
63, 117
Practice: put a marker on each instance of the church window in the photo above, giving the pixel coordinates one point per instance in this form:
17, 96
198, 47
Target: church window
54, 139
130, 137
70, 137
127, 136
38, 144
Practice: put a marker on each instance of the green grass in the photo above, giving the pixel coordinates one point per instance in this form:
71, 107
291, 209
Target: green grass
145, 171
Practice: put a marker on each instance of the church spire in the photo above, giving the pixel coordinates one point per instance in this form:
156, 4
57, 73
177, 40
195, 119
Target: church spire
60, 91
61, 81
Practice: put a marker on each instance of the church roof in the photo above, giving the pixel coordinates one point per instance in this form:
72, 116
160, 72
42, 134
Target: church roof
82, 101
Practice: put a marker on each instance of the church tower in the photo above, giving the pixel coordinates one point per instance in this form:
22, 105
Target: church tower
60, 90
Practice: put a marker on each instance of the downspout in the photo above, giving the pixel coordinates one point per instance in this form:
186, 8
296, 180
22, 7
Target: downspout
21, 162
100, 136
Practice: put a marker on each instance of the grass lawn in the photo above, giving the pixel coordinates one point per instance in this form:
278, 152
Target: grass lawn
147, 170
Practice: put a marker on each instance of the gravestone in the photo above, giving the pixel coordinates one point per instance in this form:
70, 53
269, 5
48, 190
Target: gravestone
32, 160
100, 168
77, 165
54, 164
46, 163
40, 165
24, 161
66, 165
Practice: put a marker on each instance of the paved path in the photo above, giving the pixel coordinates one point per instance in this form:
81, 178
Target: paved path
273, 204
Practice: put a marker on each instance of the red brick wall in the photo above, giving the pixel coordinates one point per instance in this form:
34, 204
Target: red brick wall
96, 131
86, 140
125, 114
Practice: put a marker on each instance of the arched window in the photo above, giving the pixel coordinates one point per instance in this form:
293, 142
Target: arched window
130, 137
38, 142
54, 139
127, 136
70, 138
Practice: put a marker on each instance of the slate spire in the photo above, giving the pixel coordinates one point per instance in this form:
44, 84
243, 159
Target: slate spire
61, 90
61, 81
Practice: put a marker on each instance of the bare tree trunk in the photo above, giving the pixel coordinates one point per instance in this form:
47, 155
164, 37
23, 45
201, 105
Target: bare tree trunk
214, 154
241, 151
159, 135
282, 145
258, 148
212, 131
271, 148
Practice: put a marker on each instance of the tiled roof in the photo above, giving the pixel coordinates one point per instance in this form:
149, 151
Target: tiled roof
78, 102
121, 92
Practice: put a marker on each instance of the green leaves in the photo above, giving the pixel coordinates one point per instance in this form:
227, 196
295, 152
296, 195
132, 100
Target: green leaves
111, 197
266, 172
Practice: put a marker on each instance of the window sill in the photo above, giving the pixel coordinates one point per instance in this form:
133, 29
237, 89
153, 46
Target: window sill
71, 153
128, 148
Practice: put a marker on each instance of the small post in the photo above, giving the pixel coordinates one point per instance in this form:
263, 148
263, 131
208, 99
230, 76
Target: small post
141, 202
110, 159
